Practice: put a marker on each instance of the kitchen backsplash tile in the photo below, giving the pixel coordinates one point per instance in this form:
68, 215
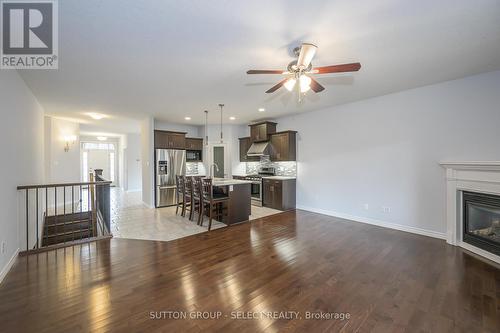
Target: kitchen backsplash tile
288, 169
192, 169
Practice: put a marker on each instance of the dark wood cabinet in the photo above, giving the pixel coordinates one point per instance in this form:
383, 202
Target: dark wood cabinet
170, 140
279, 194
261, 131
245, 144
194, 150
284, 146
194, 144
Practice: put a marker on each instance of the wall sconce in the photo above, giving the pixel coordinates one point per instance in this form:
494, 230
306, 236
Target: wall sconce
70, 140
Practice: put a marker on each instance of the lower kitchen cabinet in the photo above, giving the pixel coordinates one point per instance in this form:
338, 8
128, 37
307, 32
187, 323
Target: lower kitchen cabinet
279, 194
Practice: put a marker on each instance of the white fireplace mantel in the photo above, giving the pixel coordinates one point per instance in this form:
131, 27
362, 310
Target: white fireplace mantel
473, 176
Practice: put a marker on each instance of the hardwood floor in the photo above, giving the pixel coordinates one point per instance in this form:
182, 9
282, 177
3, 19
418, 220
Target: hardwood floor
386, 280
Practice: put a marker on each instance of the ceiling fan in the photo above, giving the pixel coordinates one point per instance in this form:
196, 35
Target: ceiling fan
300, 70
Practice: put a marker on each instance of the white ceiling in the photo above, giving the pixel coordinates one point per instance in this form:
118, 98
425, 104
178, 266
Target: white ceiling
171, 59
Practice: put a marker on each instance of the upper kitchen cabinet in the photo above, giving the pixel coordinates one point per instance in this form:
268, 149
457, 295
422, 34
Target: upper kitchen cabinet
170, 140
261, 131
194, 150
245, 144
284, 146
194, 144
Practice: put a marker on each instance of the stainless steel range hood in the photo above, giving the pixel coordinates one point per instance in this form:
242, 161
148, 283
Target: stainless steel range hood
259, 149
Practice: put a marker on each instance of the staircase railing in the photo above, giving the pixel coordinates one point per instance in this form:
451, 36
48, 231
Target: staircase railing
64, 214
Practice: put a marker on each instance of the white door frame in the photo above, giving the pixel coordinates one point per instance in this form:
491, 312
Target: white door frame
116, 181
227, 157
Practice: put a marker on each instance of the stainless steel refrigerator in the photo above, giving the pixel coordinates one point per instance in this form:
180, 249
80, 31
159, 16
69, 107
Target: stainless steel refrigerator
169, 163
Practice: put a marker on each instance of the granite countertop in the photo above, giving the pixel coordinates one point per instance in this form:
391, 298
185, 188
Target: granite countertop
228, 182
279, 177
270, 177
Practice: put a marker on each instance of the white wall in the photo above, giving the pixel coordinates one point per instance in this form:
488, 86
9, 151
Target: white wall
133, 163
231, 133
192, 131
22, 143
122, 162
384, 151
147, 158
238, 168
61, 166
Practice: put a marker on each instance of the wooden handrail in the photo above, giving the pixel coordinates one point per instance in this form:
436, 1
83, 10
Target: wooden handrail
29, 187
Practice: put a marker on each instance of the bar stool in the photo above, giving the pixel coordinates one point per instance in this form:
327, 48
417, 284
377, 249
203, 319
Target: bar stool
188, 196
179, 193
197, 196
212, 201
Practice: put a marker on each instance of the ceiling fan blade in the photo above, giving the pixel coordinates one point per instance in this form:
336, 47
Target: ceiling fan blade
307, 52
315, 86
354, 67
276, 87
265, 71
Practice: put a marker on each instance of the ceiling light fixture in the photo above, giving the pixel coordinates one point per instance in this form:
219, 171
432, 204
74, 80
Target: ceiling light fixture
262, 109
305, 83
102, 138
232, 118
96, 116
290, 83
187, 118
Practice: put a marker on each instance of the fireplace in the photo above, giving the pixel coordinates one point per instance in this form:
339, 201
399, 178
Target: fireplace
481, 217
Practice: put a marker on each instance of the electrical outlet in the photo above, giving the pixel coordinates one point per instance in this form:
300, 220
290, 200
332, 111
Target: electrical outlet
366, 206
386, 209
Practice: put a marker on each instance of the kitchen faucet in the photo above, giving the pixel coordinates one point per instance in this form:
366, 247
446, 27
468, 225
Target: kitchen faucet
211, 171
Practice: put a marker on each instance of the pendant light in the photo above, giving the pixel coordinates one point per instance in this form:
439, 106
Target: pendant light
221, 134
206, 127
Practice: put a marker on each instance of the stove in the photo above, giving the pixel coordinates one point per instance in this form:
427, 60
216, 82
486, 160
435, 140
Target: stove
256, 180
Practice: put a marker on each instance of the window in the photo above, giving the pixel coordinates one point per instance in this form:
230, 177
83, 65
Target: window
85, 166
98, 146
112, 166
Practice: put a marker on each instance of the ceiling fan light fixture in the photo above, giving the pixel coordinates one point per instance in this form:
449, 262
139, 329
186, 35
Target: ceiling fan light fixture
305, 83
290, 83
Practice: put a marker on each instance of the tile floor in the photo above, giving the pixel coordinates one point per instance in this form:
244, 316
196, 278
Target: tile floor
131, 219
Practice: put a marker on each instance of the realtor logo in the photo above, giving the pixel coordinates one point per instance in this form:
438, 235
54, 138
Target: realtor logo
29, 34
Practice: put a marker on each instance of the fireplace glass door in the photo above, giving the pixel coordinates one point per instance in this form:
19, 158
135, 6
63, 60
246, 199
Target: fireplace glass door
482, 221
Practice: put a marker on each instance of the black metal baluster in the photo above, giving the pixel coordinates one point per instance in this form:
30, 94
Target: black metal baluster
46, 214
73, 209
88, 210
36, 211
55, 214
27, 222
81, 207
64, 214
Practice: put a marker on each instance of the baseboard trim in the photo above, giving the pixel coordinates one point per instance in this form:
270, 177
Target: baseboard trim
480, 253
9, 265
367, 220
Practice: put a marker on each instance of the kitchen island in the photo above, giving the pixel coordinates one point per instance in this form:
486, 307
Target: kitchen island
239, 193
